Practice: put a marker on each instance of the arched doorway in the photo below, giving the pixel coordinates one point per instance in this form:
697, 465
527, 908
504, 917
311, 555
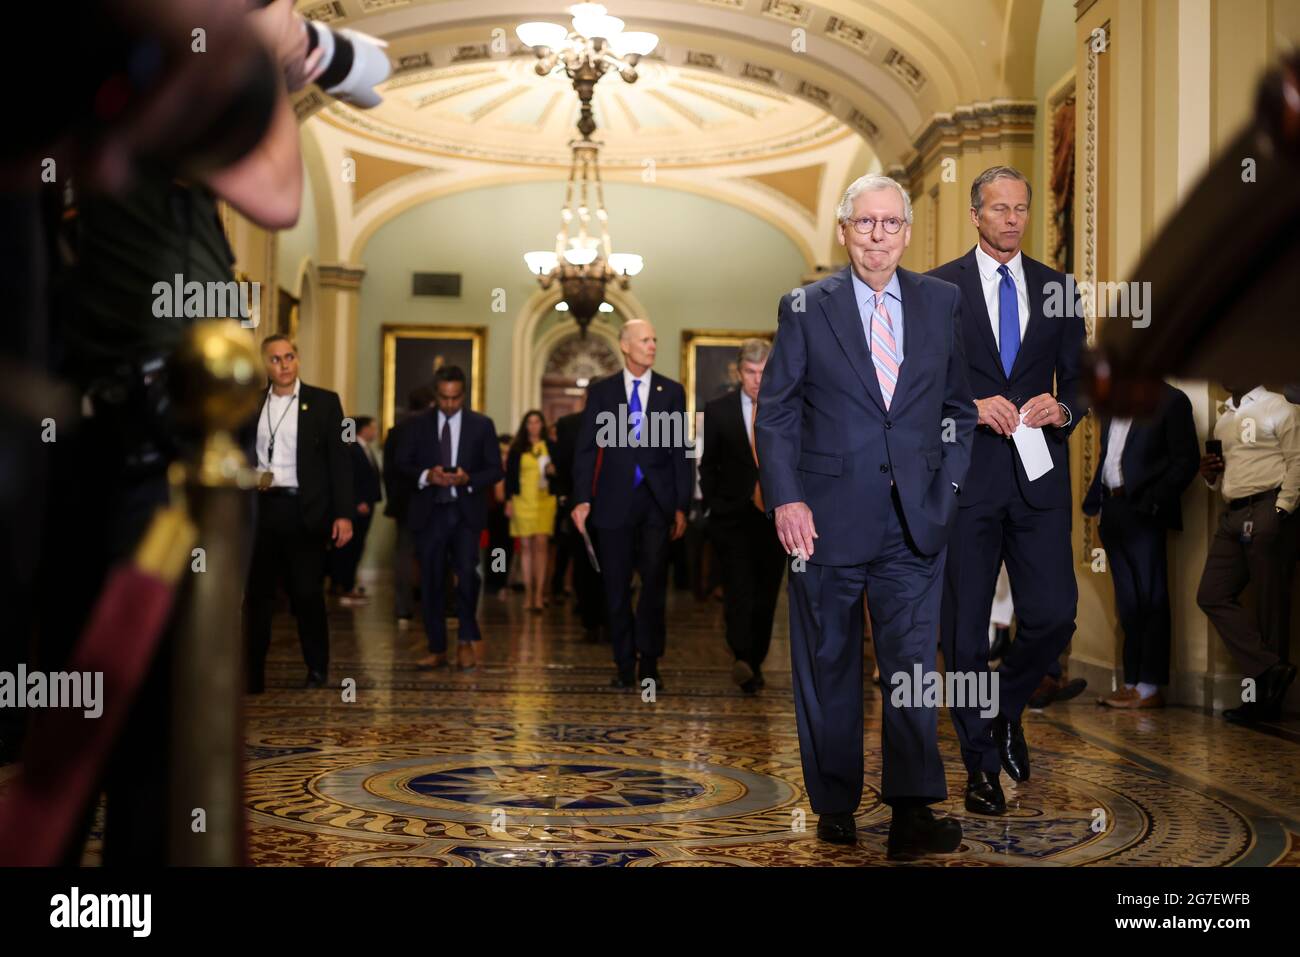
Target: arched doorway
573, 362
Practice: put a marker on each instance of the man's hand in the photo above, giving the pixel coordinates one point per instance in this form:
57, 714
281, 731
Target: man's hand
679, 524
363, 508
579, 516
1043, 410
1211, 467
998, 413
436, 476
458, 476
795, 529
342, 532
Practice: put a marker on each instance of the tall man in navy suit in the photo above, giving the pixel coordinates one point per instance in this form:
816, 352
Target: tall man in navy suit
863, 437
449, 456
1022, 329
633, 489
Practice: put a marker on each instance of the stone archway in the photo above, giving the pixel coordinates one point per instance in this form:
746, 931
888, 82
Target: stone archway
572, 363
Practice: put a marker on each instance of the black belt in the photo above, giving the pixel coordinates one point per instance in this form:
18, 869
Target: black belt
1116, 492
1252, 499
278, 490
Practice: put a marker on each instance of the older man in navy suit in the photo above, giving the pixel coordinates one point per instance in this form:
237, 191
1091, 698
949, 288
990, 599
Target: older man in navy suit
863, 436
634, 490
1023, 335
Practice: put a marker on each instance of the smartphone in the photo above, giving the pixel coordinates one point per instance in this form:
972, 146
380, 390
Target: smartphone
1214, 447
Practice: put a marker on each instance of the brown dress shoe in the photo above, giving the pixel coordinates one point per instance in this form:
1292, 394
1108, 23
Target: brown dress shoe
1154, 700
430, 661
1122, 698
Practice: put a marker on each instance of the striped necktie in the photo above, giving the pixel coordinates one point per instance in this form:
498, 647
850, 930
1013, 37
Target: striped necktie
884, 350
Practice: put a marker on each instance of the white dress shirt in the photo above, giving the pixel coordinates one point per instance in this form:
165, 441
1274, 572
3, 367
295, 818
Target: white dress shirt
279, 415
1112, 474
991, 280
643, 390
455, 449
1261, 447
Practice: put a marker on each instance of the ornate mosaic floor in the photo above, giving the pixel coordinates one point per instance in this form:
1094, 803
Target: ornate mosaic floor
534, 761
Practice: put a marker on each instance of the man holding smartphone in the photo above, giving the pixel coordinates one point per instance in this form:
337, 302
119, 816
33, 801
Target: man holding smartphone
451, 460
1254, 460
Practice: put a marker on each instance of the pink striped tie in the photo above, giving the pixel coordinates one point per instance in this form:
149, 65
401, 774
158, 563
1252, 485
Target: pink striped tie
884, 351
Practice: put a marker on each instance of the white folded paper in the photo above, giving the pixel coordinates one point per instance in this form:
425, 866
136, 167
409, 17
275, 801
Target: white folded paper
1032, 448
542, 462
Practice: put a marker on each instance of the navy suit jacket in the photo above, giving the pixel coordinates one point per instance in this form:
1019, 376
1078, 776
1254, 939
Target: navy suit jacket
1050, 350
665, 469
477, 453
1161, 457
365, 477
823, 434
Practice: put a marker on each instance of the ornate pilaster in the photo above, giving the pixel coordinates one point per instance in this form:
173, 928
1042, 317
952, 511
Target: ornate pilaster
340, 286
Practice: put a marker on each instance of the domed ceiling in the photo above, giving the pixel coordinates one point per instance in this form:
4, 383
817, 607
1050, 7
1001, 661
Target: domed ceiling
501, 110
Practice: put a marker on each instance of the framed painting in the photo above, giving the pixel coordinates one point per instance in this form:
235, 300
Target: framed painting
412, 354
709, 364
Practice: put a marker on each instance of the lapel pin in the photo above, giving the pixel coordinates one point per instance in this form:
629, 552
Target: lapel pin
304, 406
659, 388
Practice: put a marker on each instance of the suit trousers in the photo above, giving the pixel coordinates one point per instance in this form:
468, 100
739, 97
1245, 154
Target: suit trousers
1139, 570
826, 664
403, 565
640, 546
447, 535
1035, 544
1266, 560
285, 550
753, 562
344, 561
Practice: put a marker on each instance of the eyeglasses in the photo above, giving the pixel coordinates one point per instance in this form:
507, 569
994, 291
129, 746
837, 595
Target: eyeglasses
867, 225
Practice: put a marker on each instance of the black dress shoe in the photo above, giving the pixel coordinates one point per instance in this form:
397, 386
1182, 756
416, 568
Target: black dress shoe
1001, 644
622, 680
1247, 713
759, 679
256, 685
984, 794
1071, 689
837, 828
1273, 684
315, 679
750, 687
1010, 739
653, 674
914, 831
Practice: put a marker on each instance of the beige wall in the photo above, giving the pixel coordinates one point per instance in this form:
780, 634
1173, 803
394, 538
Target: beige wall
1176, 81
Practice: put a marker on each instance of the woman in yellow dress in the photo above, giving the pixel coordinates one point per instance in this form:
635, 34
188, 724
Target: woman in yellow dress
530, 504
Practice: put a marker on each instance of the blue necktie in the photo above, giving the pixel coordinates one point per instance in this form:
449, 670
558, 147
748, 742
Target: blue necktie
635, 415
1008, 321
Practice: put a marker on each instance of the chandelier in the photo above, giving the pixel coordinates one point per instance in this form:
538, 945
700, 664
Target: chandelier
583, 261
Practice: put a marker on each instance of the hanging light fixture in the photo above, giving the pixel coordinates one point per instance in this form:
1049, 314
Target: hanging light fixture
583, 261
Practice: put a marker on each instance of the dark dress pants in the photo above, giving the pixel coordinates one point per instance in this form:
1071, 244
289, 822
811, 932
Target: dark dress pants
826, 665
1265, 561
639, 545
448, 536
1135, 557
286, 550
1035, 544
752, 565
344, 561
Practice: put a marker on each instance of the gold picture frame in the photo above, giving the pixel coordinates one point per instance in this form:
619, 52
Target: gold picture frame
700, 350
466, 346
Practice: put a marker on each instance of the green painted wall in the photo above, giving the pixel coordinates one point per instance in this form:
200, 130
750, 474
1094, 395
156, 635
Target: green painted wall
708, 264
